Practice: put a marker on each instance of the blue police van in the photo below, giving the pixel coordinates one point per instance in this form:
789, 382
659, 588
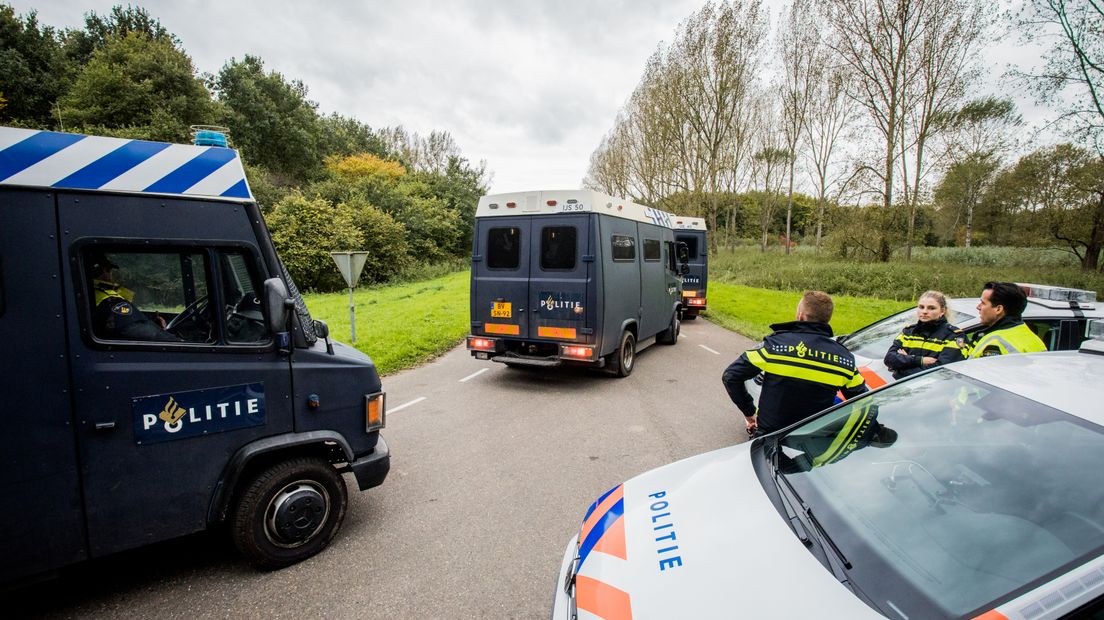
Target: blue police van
690, 231
161, 373
572, 277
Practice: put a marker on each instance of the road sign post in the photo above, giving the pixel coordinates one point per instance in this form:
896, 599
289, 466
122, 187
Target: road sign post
350, 264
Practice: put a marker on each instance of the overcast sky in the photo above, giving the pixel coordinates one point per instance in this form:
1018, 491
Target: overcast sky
531, 87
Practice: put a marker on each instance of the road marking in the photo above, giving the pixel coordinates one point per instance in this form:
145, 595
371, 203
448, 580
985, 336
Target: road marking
474, 375
405, 405
708, 349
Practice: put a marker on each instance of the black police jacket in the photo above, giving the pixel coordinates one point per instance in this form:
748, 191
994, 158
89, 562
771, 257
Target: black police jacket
803, 369
938, 339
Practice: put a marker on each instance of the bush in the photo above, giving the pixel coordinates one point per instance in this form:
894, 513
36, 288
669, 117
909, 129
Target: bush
305, 231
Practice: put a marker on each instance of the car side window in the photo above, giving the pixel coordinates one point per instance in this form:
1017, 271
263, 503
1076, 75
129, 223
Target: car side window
1048, 330
503, 248
148, 295
624, 247
245, 322
651, 250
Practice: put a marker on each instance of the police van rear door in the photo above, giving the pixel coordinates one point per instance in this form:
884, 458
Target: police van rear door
699, 254
561, 264
500, 277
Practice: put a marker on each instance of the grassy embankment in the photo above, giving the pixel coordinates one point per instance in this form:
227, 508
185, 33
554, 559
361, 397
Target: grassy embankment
751, 289
399, 325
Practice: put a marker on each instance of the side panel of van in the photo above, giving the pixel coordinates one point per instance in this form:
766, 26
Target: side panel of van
158, 421
41, 486
500, 276
621, 263
561, 300
656, 294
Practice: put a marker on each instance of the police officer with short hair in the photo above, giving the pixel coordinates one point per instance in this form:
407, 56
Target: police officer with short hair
803, 369
1000, 312
114, 315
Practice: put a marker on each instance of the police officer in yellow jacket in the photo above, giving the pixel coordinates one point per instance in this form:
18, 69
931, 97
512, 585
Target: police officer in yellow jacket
803, 369
115, 316
1000, 311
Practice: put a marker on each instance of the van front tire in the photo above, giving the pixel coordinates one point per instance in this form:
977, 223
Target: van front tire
625, 357
288, 512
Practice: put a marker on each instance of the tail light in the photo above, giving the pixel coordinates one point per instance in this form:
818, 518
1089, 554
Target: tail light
481, 344
375, 411
582, 353
696, 301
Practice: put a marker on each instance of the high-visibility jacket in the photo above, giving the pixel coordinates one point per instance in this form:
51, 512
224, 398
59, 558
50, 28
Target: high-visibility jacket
1005, 336
803, 369
115, 317
938, 339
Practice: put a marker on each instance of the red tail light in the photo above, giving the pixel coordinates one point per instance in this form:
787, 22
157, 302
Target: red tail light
481, 344
696, 301
583, 353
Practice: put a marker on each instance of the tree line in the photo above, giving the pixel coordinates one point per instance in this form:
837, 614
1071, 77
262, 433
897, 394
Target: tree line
860, 125
324, 181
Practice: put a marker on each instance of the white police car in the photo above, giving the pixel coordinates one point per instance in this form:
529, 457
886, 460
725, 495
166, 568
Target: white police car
966, 491
1059, 316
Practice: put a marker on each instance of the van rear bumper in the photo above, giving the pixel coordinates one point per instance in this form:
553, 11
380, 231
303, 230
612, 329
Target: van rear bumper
371, 469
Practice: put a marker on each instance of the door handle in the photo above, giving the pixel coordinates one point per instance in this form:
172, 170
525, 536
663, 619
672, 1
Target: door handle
104, 426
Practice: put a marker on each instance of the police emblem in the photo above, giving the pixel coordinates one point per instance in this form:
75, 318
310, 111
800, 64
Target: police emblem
122, 308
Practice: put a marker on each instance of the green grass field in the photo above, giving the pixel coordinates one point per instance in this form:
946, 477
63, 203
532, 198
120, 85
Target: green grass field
750, 311
400, 325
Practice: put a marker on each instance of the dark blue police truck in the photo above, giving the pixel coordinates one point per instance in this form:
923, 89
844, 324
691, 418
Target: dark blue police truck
571, 277
690, 231
160, 371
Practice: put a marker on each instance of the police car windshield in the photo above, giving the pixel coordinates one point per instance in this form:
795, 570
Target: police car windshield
947, 493
873, 341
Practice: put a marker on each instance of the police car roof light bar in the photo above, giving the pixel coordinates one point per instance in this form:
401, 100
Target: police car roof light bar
1057, 293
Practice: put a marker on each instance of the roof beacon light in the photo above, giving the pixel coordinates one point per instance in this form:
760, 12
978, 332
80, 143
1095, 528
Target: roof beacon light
210, 135
1058, 293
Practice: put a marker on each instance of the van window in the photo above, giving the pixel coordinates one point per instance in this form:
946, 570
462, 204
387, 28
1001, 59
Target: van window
691, 242
651, 250
503, 248
168, 295
624, 247
558, 248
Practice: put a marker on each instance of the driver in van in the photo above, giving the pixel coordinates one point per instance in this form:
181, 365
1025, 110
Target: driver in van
114, 314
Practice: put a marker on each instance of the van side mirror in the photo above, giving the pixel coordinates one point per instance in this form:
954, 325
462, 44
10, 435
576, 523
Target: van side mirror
684, 269
683, 253
276, 298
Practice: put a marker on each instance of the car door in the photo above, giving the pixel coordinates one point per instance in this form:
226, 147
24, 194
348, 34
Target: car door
559, 278
500, 276
160, 412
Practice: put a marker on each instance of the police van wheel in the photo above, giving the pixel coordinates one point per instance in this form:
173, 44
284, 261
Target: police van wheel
626, 355
288, 512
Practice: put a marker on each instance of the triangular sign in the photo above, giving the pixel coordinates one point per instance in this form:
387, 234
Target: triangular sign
350, 264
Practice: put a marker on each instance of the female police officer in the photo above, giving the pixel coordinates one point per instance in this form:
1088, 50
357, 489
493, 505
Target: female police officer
928, 342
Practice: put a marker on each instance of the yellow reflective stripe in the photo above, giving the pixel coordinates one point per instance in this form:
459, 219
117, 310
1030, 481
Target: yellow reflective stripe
935, 346
855, 381
844, 438
797, 372
803, 360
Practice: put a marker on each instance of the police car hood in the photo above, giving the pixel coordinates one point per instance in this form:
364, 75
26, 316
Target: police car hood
700, 539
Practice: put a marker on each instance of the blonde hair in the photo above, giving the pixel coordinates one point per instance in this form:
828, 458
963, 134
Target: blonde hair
940, 299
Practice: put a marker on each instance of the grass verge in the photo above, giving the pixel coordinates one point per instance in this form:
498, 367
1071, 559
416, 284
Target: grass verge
750, 311
399, 325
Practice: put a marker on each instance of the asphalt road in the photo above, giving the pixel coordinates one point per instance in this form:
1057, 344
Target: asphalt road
492, 469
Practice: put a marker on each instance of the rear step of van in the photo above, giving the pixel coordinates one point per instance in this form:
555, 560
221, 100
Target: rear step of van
514, 358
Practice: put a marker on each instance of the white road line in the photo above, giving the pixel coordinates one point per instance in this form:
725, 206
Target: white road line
405, 405
708, 349
474, 375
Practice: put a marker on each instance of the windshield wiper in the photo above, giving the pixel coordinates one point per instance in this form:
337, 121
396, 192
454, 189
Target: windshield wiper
791, 514
826, 540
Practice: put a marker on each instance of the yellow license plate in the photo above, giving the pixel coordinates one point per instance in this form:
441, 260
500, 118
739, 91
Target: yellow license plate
502, 310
